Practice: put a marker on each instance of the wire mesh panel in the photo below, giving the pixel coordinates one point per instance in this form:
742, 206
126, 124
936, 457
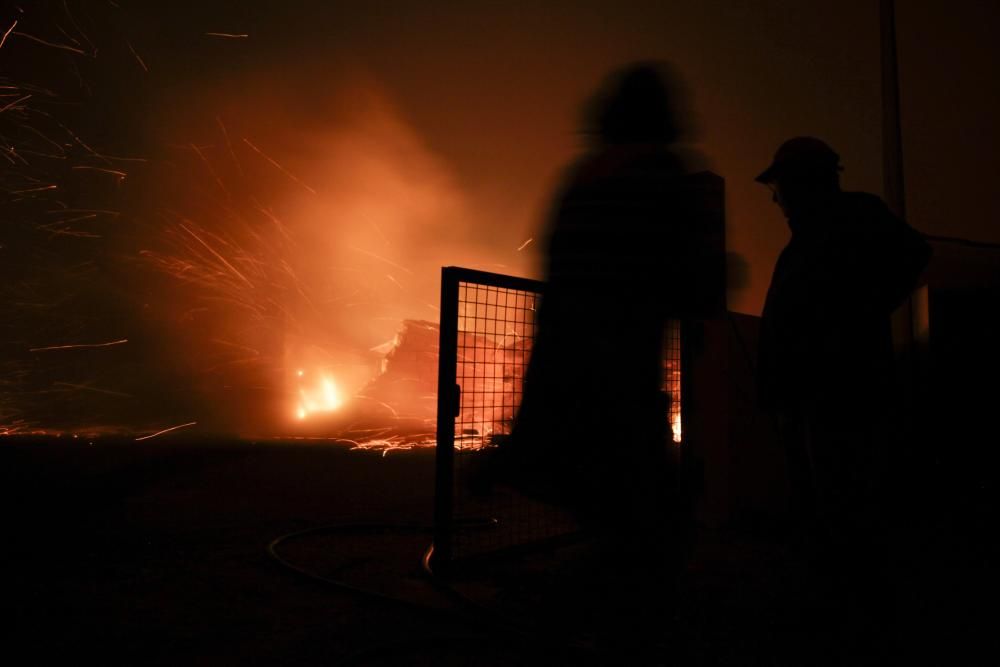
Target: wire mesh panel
496, 332
487, 334
672, 377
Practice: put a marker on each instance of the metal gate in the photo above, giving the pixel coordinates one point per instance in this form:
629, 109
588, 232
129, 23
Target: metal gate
487, 334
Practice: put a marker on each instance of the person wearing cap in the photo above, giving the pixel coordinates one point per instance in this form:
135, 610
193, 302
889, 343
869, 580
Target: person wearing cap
825, 364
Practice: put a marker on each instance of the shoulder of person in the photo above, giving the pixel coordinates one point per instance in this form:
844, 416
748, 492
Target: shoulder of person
868, 215
865, 204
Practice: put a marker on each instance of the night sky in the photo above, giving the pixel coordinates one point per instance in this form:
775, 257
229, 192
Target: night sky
412, 135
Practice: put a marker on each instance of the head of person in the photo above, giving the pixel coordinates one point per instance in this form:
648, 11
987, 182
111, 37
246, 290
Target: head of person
803, 176
639, 104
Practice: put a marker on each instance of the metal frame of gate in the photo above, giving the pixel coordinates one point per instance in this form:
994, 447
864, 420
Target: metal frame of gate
486, 335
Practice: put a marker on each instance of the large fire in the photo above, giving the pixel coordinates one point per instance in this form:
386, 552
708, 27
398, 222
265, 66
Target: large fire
243, 275
225, 251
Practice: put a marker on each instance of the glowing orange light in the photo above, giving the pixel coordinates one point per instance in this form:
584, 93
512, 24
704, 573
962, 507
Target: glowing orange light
322, 395
675, 426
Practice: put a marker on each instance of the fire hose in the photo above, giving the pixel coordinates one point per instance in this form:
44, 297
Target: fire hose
494, 625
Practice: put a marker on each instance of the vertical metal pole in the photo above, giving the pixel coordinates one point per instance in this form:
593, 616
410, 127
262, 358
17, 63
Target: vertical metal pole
687, 454
910, 320
892, 134
447, 410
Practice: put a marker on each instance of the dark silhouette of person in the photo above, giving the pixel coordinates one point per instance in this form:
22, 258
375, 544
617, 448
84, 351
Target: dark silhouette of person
623, 255
826, 355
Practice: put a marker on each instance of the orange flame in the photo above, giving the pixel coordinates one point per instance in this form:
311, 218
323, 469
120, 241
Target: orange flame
322, 395
675, 425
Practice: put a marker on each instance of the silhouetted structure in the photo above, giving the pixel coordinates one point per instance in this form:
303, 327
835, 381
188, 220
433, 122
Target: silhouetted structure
826, 356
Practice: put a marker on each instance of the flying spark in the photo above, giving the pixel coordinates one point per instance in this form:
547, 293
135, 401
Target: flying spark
3, 39
15, 103
381, 259
64, 47
166, 430
142, 64
229, 145
78, 346
87, 387
272, 161
115, 172
220, 257
38, 189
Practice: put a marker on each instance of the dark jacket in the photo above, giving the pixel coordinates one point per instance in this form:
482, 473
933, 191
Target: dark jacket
826, 337
592, 424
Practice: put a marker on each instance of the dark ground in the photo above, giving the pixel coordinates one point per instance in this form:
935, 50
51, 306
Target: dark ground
155, 553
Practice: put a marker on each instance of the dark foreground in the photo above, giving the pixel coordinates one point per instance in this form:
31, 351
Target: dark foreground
155, 553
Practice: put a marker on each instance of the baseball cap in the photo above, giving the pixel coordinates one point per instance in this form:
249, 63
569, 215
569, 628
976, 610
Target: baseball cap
800, 153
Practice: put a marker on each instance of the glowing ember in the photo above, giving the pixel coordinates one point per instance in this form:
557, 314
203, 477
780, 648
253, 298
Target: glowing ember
675, 426
319, 396
672, 377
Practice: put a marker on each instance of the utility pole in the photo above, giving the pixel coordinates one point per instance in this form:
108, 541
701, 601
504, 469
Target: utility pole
892, 134
910, 323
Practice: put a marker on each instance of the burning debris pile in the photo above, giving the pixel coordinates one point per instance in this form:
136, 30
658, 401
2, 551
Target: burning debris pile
407, 380
398, 408
490, 370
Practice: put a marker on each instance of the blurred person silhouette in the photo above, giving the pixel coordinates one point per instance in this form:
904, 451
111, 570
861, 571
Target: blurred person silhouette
626, 250
826, 357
